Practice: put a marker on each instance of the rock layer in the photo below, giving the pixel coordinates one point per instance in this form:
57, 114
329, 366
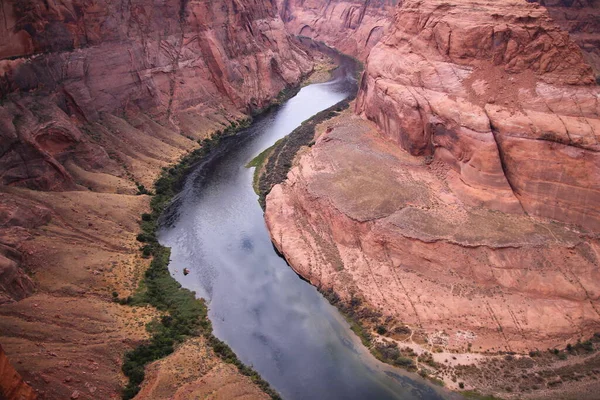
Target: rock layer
581, 19
498, 92
96, 98
178, 63
360, 216
466, 205
11, 383
351, 26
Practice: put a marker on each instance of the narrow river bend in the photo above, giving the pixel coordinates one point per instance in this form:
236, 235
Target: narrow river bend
273, 320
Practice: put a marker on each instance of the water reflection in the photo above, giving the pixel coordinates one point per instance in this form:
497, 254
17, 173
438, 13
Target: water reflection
272, 319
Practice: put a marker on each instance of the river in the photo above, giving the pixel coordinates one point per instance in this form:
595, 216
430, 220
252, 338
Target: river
273, 320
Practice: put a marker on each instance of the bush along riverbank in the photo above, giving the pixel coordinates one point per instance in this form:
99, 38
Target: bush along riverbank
184, 314
273, 164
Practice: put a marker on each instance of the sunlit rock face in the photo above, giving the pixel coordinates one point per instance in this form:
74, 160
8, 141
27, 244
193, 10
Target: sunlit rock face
581, 18
498, 91
177, 62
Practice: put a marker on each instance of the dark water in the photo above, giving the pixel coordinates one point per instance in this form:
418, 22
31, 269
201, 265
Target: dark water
272, 319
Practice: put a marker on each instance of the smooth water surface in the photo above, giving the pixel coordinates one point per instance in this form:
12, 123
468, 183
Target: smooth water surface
273, 320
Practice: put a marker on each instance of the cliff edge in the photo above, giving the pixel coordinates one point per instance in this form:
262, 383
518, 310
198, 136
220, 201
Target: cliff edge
457, 211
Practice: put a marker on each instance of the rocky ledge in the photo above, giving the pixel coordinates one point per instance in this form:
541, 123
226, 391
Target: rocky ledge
460, 206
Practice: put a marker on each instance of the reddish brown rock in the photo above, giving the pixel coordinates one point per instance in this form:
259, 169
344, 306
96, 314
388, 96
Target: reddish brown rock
12, 385
178, 62
351, 26
581, 19
482, 86
361, 216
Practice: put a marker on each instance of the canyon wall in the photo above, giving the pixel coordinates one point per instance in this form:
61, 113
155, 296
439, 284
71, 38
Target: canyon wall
501, 94
96, 98
177, 62
462, 200
351, 26
581, 19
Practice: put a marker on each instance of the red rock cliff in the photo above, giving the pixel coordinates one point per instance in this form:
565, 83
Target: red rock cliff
11, 383
498, 92
351, 26
173, 62
463, 199
581, 19
96, 98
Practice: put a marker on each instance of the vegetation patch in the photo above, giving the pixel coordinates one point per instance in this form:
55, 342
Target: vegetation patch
355, 313
280, 157
184, 314
258, 163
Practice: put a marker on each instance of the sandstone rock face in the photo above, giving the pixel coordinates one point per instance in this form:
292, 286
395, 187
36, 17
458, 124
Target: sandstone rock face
172, 61
95, 98
465, 203
351, 26
581, 19
361, 216
501, 94
11, 383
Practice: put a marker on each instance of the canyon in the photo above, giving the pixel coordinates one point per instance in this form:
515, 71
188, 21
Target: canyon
98, 98
458, 204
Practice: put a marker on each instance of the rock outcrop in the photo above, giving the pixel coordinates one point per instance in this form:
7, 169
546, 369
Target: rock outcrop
179, 63
498, 92
351, 26
359, 215
96, 98
581, 19
12, 385
465, 202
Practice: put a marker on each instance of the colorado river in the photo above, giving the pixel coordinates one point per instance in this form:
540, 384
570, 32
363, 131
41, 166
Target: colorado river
273, 320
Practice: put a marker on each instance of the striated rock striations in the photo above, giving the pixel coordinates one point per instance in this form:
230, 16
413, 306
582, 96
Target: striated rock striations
581, 19
465, 202
351, 26
95, 98
179, 63
498, 92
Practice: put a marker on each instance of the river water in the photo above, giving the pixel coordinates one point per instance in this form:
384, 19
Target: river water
272, 319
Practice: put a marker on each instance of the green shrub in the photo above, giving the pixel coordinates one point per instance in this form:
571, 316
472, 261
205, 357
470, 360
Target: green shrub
381, 330
146, 237
186, 316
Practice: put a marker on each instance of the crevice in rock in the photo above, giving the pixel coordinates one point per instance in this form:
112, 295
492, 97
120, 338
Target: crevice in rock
503, 164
